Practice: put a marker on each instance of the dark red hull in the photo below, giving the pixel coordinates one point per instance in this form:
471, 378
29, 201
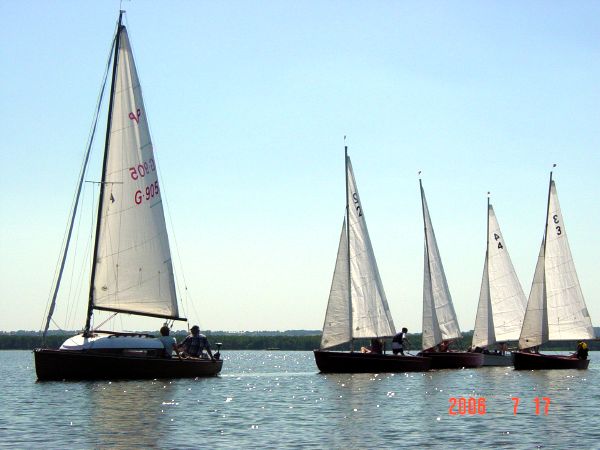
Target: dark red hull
536, 361
342, 362
84, 365
454, 360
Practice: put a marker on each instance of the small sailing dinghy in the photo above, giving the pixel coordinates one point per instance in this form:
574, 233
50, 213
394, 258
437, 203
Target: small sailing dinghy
501, 299
357, 306
440, 325
556, 310
132, 271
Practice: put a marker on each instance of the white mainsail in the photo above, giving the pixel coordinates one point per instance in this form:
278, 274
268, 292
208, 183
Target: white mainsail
439, 319
366, 313
556, 309
133, 269
501, 299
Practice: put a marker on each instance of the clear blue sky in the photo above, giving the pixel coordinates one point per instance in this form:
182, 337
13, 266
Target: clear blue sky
248, 103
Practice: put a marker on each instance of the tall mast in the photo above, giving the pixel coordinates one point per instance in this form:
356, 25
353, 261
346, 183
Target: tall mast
426, 239
425, 224
491, 331
545, 296
76, 203
348, 247
90, 310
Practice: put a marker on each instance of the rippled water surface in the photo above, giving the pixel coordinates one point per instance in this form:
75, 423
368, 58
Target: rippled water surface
279, 400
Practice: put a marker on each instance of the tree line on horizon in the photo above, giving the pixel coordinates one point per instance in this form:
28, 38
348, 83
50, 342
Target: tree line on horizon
281, 341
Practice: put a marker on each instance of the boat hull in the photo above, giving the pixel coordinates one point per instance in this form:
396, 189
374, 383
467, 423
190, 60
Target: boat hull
343, 362
537, 361
85, 365
497, 360
454, 360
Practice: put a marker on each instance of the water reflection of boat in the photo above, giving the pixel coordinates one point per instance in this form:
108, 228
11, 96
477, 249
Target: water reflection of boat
357, 306
556, 309
440, 325
132, 271
501, 299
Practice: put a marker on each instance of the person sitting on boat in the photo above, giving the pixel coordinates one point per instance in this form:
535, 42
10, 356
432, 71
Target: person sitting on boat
582, 351
169, 342
399, 342
502, 348
443, 347
195, 343
375, 347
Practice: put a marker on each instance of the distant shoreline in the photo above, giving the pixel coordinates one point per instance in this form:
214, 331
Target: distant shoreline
262, 340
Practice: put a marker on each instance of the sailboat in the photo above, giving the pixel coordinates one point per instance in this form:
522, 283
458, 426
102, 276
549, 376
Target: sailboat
131, 272
501, 299
556, 309
440, 325
357, 306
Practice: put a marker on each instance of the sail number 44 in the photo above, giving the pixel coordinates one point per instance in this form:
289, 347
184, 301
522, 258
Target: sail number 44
476, 405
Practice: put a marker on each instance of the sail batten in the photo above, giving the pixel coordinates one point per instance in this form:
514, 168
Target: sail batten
357, 306
439, 318
556, 308
133, 270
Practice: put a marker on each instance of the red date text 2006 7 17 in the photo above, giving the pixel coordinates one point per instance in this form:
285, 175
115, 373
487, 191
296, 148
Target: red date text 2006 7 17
477, 405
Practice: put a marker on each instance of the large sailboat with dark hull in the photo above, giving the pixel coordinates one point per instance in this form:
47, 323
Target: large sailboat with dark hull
501, 299
440, 325
556, 309
357, 307
131, 271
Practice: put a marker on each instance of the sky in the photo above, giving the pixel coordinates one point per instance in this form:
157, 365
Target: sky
248, 104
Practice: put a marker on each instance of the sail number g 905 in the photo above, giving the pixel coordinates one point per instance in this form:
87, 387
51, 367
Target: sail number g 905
150, 192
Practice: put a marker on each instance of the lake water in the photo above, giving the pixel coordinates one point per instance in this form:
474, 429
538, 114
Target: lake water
278, 400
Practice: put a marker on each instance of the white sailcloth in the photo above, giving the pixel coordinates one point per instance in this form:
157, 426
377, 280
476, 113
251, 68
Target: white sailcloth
336, 329
133, 270
370, 314
502, 300
439, 319
556, 308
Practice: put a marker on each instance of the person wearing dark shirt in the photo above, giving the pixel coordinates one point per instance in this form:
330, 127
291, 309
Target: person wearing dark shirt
195, 343
399, 341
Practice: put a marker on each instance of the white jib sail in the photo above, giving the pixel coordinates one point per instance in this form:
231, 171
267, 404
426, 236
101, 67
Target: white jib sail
483, 335
535, 322
133, 267
371, 315
502, 319
439, 319
564, 313
336, 329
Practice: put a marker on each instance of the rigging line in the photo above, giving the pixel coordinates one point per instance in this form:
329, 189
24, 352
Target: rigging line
109, 318
84, 269
175, 241
83, 169
74, 258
